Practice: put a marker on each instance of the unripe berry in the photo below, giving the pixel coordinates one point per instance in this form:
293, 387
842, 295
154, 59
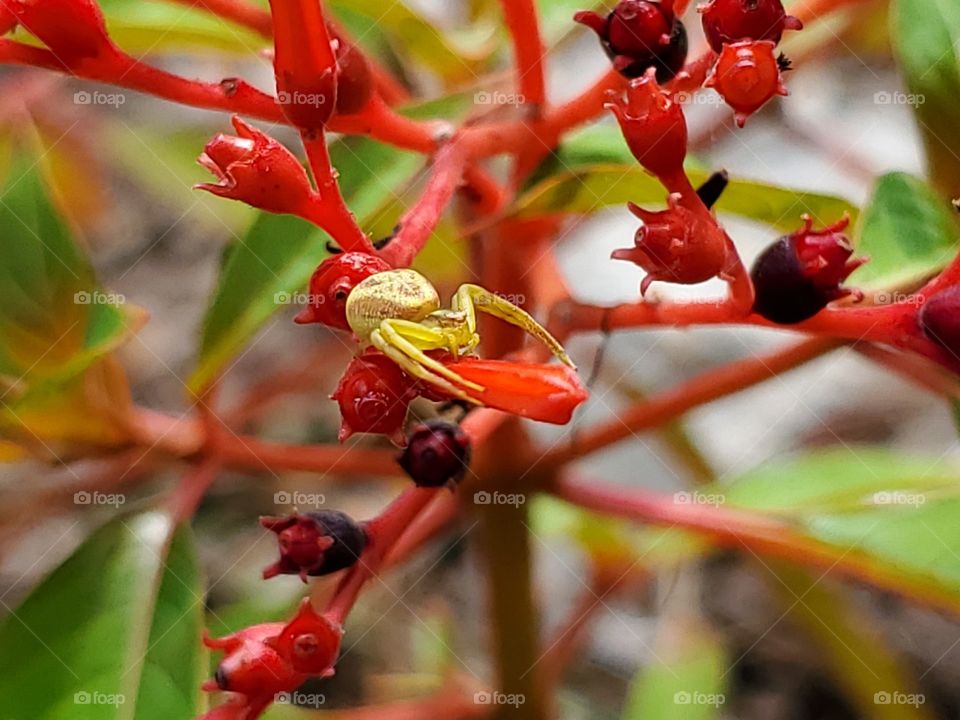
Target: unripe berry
640, 34
310, 642
331, 283
653, 125
799, 274
728, 21
437, 453
374, 395
315, 543
940, 319
747, 75
675, 245
251, 666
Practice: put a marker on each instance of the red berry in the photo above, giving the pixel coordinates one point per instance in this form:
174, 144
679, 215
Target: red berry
331, 283
315, 543
251, 666
310, 642
675, 245
373, 395
437, 453
799, 274
728, 21
747, 75
639, 34
354, 79
940, 319
653, 126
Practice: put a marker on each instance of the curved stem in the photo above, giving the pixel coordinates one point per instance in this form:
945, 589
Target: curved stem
523, 24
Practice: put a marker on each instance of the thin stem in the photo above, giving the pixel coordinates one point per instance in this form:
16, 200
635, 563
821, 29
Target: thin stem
524, 26
702, 389
740, 529
332, 214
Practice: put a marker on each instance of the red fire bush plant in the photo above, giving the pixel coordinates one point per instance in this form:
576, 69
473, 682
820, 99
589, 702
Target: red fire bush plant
476, 380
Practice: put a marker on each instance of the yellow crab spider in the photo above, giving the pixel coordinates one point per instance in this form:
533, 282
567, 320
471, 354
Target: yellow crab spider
398, 312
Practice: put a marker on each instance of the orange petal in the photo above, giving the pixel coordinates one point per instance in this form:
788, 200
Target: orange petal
548, 393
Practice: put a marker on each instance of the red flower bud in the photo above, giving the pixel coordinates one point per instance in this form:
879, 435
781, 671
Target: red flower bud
304, 62
940, 319
74, 30
314, 543
537, 391
728, 21
799, 274
251, 667
676, 245
653, 126
354, 79
747, 75
256, 169
310, 642
374, 395
330, 286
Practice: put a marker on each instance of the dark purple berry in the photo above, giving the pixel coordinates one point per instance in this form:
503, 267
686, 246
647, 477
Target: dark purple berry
940, 319
799, 274
437, 454
315, 543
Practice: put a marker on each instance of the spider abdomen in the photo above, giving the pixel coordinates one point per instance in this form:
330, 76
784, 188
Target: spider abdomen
392, 294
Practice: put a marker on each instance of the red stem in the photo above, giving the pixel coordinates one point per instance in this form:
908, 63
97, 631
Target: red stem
524, 26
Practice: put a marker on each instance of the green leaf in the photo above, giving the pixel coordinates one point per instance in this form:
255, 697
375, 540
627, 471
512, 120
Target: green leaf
589, 189
154, 27
896, 510
274, 259
414, 35
54, 319
926, 38
686, 680
907, 232
111, 634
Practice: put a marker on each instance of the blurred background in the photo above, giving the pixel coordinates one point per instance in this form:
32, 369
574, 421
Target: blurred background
124, 166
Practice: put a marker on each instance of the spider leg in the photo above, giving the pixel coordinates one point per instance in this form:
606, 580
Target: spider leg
393, 340
471, 299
